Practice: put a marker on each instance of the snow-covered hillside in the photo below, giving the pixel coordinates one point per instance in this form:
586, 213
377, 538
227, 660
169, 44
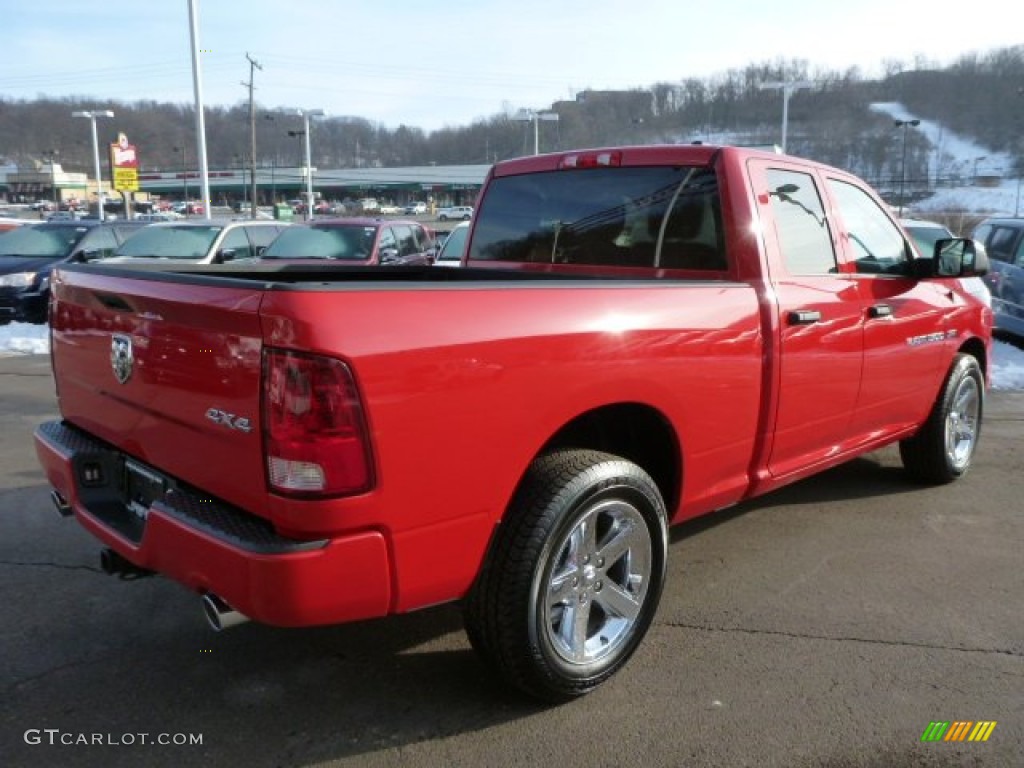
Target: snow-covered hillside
954, 156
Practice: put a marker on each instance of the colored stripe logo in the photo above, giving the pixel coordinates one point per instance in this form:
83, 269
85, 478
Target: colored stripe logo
958, 730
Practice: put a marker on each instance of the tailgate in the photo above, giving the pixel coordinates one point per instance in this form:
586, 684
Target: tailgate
167, 369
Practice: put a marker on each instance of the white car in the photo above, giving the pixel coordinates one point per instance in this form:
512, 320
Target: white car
414, 209
200, 241
463, 212
454, 247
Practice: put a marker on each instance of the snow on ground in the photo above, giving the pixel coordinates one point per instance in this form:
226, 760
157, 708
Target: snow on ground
1007, 364
24, 338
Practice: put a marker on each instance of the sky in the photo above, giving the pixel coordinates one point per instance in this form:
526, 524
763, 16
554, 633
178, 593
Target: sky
432, 64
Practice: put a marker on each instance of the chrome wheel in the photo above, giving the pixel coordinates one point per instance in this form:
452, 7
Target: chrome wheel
962, 423
598, 581
574, 574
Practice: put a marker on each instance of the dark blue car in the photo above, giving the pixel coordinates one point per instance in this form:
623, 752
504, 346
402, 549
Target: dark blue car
29, 253
1004, 241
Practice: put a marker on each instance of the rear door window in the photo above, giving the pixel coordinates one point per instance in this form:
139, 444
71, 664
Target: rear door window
261, 237
237, 242
803, 231
101, 240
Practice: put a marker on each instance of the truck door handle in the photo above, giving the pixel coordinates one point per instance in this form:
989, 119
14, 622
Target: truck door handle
880, 310
803, 316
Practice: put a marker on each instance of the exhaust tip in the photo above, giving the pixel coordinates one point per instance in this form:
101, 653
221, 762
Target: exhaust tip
220, 615
61, 504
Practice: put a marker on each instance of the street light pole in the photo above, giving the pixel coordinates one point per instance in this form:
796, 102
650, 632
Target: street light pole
904, 124
974, 178
527, 115
306, 114
184, 176
91, 116
52, 155
788, 88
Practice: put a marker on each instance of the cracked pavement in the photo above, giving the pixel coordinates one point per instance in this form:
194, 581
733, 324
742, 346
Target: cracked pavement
824, 625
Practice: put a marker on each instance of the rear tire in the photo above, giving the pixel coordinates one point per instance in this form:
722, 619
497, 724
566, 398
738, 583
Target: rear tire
573, 577
942, 450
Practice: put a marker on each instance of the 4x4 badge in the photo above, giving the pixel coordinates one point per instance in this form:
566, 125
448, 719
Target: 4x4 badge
121, 359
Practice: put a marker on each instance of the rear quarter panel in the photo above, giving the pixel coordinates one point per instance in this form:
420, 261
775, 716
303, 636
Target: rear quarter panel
479, 377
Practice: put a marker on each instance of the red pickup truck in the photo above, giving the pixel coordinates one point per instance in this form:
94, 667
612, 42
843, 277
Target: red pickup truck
639, 335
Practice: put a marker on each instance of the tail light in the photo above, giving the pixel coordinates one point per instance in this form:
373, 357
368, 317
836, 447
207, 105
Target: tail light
315, 436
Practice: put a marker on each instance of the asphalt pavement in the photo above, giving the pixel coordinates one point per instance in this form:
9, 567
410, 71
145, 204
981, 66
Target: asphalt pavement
827, 624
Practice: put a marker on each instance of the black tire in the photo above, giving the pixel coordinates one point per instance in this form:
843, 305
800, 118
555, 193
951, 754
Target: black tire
442, 217
556, 612
943, 448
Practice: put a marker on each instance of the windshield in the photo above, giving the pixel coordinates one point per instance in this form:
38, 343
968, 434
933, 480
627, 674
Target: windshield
173, 242
41, 240
351, 243
455, 245
664, 216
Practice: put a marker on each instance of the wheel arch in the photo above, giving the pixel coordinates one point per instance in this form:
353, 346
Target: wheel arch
975, 347
637, 432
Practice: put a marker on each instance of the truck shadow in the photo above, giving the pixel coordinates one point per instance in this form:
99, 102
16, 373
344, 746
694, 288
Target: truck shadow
862, 478
87, 653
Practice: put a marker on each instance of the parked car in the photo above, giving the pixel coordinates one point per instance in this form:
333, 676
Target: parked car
75, 215
389, 209
925, 234
415, 209
188, 208
1004, 242
157, 216
455, 212
358, 241
29, 254
451, 252
203, 241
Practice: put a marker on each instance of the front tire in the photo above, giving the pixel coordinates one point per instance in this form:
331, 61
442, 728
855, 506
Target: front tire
573, 577
942, 450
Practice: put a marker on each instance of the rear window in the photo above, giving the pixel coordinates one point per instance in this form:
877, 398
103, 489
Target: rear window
668, 217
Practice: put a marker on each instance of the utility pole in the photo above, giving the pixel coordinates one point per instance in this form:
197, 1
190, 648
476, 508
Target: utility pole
253, 65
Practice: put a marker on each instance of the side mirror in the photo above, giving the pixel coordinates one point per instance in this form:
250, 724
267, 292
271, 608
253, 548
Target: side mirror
225, 254
388, 255
80, 257
959, 257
